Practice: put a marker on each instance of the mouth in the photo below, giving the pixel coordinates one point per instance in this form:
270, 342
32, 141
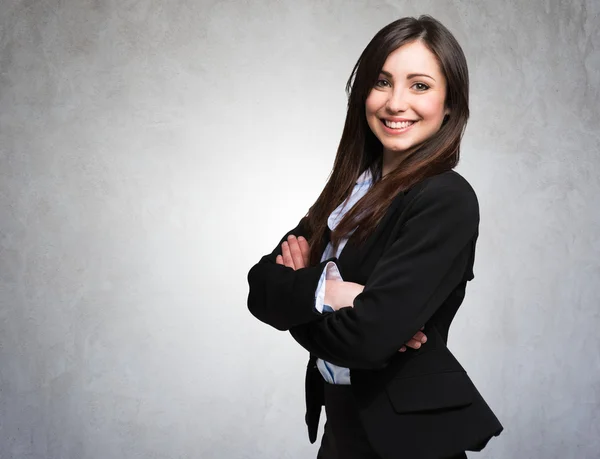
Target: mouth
397, 127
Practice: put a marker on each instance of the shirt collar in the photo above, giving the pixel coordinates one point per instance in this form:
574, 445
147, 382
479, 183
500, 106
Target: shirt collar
365, 177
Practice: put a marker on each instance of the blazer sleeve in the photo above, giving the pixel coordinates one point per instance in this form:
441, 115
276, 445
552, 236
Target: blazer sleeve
281, 296
409, 283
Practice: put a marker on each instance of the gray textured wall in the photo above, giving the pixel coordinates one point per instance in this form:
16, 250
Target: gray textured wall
152, 151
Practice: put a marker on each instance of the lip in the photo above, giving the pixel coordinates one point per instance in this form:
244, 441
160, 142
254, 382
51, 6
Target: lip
397, 120
396, 131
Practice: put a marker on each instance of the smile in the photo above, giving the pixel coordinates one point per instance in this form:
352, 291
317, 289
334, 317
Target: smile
397, 127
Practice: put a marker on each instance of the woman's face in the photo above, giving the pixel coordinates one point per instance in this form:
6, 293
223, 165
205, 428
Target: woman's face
406, 105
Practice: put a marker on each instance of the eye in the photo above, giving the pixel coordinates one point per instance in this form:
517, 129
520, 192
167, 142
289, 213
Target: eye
420, 87
381, 83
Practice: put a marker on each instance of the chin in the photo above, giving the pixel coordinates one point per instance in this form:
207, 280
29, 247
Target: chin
397, 148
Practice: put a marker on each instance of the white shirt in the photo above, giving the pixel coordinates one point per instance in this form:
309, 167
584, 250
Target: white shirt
332, 373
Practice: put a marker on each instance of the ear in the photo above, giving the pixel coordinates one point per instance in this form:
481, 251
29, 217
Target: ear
446, 116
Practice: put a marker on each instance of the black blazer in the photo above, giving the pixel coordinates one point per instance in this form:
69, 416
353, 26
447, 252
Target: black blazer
415, 266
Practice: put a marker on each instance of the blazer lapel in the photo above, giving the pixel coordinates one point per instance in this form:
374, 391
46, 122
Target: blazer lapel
351, 261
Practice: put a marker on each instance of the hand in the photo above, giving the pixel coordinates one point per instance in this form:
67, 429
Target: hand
341, 294
415, 342
295, 253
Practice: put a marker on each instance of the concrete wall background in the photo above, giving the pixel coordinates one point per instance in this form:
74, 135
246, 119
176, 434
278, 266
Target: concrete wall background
151, 152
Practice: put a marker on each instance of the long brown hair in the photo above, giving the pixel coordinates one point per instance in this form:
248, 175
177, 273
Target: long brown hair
359, 149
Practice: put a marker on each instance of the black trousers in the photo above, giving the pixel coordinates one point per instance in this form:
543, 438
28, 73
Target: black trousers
344, 436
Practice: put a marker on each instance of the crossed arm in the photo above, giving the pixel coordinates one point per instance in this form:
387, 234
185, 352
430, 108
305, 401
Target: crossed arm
295, 253
430, 256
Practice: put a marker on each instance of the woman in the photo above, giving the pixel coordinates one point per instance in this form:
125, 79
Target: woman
388, 247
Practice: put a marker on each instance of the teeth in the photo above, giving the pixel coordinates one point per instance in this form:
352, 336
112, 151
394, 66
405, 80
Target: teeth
400, 125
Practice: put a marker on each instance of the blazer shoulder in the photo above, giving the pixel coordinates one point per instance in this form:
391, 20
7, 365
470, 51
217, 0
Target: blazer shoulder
446, 192
448, 182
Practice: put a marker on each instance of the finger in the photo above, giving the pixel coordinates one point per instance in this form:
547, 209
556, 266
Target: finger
279, 259
402, 349
287, 256
305, 249
420, 336
296, 252
414, 344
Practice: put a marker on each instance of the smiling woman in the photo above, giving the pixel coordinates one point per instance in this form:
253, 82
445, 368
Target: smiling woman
385, 251
407, 104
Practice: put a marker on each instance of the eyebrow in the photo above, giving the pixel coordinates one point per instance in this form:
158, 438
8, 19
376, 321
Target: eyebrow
409, 76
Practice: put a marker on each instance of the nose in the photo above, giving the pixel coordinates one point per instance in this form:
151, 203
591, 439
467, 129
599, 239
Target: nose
397, 100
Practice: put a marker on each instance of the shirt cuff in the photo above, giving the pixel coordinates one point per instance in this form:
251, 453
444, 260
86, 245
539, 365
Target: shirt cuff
331, 272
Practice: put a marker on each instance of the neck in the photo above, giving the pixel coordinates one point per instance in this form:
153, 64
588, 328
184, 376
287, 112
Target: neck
391, 160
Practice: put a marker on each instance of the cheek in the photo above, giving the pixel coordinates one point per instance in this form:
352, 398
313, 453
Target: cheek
431, 108
371, 106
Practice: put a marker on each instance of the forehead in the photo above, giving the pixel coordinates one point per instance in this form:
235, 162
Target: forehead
413, 57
